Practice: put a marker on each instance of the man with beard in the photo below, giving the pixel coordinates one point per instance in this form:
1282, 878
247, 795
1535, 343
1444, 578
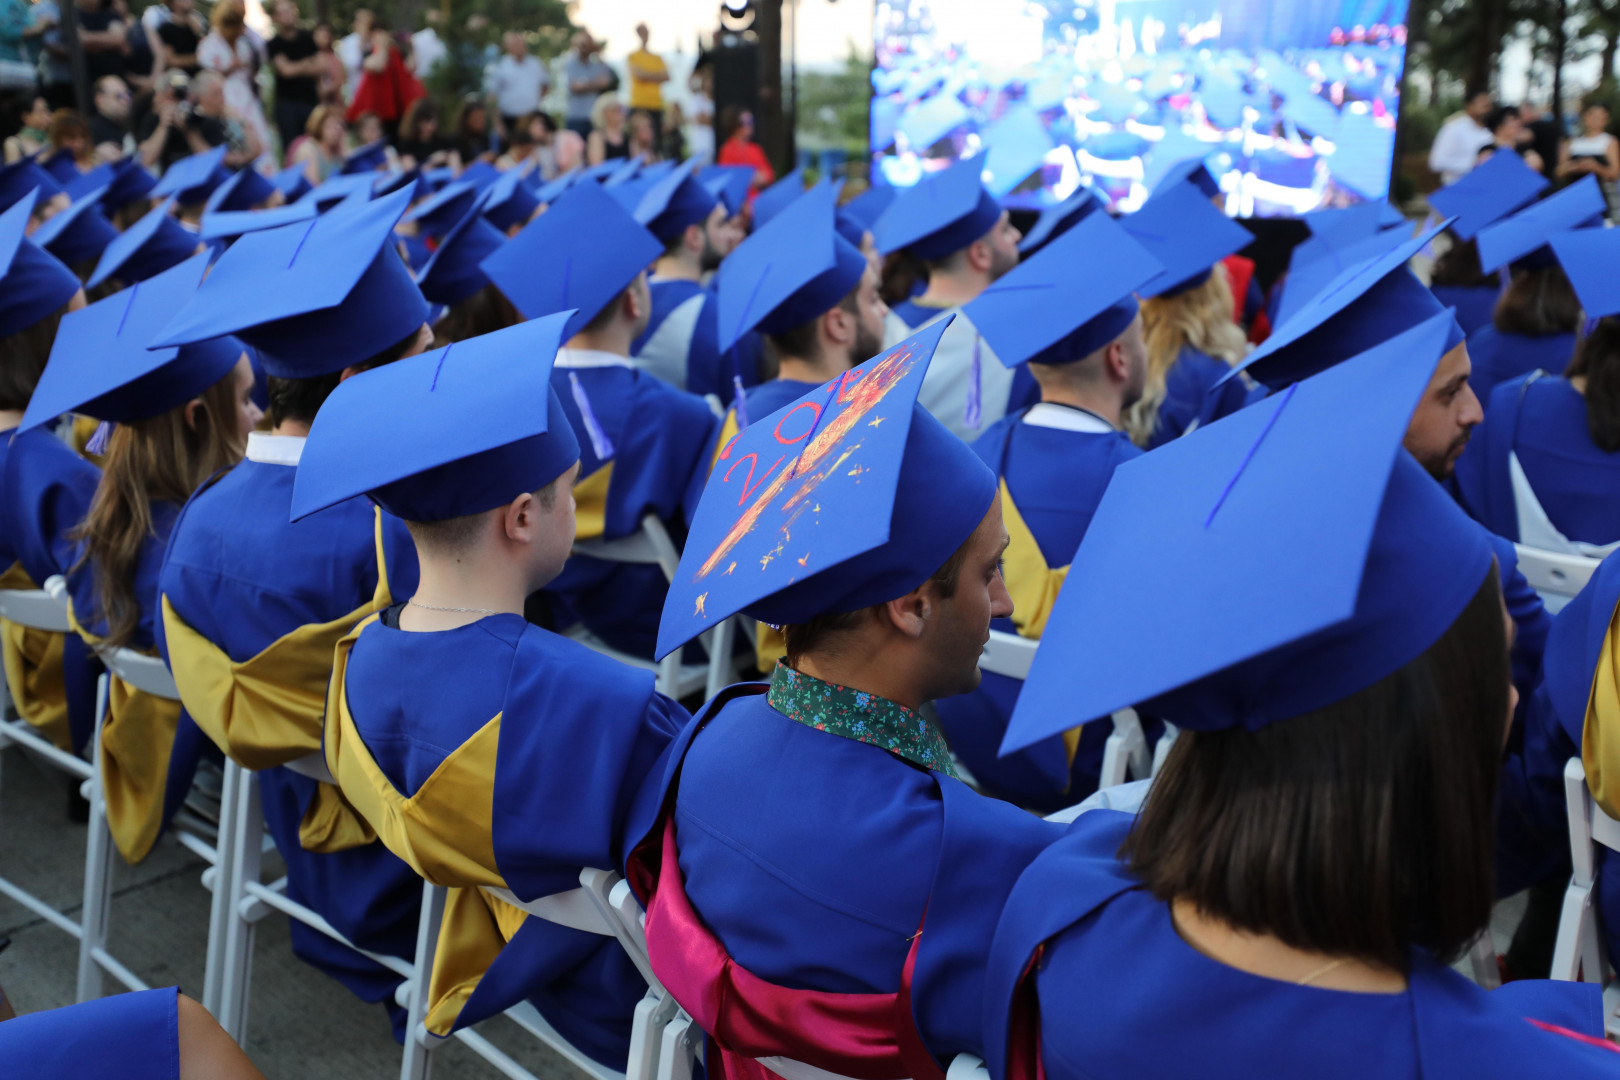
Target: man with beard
962, 235
678, 345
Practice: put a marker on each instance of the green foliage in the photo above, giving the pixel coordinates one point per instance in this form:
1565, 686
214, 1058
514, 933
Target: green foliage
833, 106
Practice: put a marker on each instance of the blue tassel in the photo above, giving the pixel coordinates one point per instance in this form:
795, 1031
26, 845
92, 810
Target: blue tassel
601, 445
98, 441
973, 413
739, 401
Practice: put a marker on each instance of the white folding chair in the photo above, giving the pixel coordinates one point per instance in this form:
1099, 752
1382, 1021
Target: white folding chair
1579, 955
966, 1067
651, 546
1557, 576
39, 609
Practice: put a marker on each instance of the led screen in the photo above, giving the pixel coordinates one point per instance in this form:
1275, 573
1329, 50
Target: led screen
1292, 102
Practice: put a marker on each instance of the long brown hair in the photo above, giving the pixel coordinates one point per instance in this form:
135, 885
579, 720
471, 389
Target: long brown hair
1200, 317
1597, 357
163, 459
1538, 302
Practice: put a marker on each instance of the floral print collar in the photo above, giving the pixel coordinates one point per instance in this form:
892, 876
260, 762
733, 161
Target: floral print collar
858, 715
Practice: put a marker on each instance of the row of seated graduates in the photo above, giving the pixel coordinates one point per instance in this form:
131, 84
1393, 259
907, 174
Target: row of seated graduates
1099, 335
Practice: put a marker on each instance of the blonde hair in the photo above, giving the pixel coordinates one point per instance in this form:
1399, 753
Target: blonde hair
1200, 317
228, 14
600, 107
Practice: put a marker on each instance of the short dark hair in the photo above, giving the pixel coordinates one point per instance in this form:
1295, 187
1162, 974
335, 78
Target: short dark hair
300, 399
1539, 301
1361, 829
454, 535
22, 359
484, 312
801, 340
814, 633
1474, 90
1597, 357
1500, 115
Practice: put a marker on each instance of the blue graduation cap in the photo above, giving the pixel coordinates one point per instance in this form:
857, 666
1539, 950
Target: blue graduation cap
293, 182
630, 193
1019, 143
312, 297
1306, 554
229, 224
1192, 170
453, 273
21, 177
60, 165
244, 190
1498, 186
33, 282
776, 198
1057, 219
1317, 262
926, 123
1524, 236
391, 182
448, 433
1181, 228
788, 272
192, 179
674, 202
1588, 258
129, 182
1069, 300
869, 205
1364, 155
508, 201
944, 213
338, 188
81, 184
729, 184
1344, 225
480, 174
80, 232
438, 213
552, 190
100, 365
600, 247
438, 177
625, 171
367, 158
851, 496
602, 170
1363, 306
148, 247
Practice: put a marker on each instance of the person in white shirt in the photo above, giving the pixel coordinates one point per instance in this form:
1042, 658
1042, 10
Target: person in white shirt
426, 46
515, 83
699, 130
1456, 148
352, 50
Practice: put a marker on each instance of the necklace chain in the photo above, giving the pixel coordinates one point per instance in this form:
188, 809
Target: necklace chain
457, 610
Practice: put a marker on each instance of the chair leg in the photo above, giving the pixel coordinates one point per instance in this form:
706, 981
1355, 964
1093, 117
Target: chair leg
418, 1059
247, 844
1162, 749
678, 1052
1575, 926
98, 868
219, 907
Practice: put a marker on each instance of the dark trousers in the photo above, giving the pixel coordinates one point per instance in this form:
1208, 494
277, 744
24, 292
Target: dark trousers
291, 116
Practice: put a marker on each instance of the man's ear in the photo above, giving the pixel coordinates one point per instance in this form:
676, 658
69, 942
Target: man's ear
979, 256
521, 519
910, 613
633, 302
1119, 367
692, 239
838, 325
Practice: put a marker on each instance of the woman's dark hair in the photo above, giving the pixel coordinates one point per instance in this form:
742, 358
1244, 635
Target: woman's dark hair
1538, 302
901, 273
300, 399
22, 359
484, 312
1361, 829
471, 107
418, 113
1500, 115
1597, 357
1459, 268
546, 120
730, 120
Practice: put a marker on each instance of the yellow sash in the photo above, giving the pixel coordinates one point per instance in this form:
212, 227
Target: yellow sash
137, 740
1600, 736
33, 667
443, 832
590, 503
728, 431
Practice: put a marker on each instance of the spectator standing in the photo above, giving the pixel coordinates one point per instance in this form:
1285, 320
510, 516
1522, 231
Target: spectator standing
1507, 133
420, 143
161, 134
101, 35
648, 74
228, 52
426, 45
515, 83
109, 123
352, 50
1594, 151
322, 152
741, 149
297, 66
588, 79
387, 87
140, 54
176, 30
31, 137
332, 74
212, 122
14, 20
700, 113
672, 144
1544, 133
1457, 145
608, 138
55, 77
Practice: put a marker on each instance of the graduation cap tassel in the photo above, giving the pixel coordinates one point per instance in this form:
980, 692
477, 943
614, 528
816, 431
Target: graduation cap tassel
973, 412
601, 445
739, 399
99, 439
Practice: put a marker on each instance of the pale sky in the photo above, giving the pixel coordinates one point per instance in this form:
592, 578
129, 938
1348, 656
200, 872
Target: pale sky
825, 27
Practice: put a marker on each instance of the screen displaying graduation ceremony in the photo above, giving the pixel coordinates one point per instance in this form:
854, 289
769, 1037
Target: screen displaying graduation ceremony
1036, 546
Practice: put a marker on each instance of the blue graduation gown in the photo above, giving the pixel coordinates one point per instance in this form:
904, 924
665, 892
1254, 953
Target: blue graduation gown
1113, 970
1529, 615
1473, 304
1541, 419
658, 464
681, 344
580, 742
1498, 357
813, 857
912, 313
1055, 479
133, 1036
1190, 379
242, 575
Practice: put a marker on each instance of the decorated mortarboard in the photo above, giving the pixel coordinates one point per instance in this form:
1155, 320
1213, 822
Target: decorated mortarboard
245, 190
1309, 556
1495, 188
463, 431
192, 179
1364, 156
852, 496
293, 182
33, 282
1588, 257
438, 213
675, 202
312, 297
508, 201
1018, 143
1069, 300
1363, 306
1317, 262
943, 213
229, 224
23, 177
776, 198
788, 272
100, 364
1525, 235
453, 272
1181, 228
926, 123
79, 233
1057, 219
335, 189
581, 253
869, 205
1192, 170
146, 248
367, 158
729, 184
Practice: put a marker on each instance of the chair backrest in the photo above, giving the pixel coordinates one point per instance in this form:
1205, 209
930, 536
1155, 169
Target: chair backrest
314, 767
1008, 654
1554, 574
573, 908
148, 674
651, 546
34, 608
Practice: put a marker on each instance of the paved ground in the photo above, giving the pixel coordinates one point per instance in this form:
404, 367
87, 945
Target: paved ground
301, 1024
